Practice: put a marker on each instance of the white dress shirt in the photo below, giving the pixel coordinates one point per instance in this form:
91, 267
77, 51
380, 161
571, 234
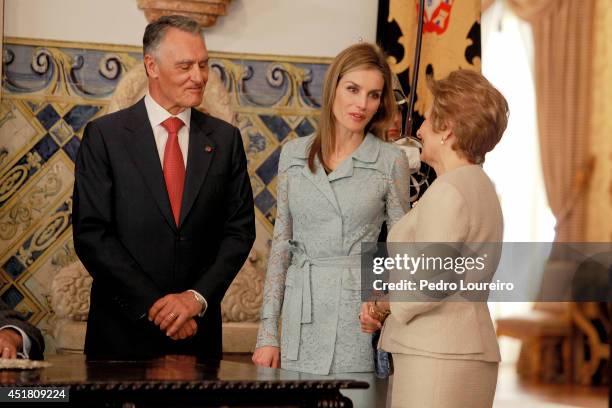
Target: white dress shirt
157, 115
26, 342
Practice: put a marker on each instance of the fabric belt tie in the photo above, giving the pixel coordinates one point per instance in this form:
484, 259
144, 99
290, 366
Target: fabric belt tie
300, 304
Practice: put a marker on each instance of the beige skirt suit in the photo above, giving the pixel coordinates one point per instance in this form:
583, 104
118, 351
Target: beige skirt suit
446, 354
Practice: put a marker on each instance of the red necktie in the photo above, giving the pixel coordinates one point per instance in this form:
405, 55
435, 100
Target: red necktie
174, 166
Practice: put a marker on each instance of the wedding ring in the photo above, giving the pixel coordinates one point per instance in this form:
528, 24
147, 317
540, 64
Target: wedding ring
171, 315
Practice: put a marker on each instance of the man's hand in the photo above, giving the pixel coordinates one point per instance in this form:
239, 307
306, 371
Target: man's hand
172, 311
383, 305
189, 329
10, 342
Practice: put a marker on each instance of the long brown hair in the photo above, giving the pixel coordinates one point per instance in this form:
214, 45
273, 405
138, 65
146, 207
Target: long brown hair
358, 56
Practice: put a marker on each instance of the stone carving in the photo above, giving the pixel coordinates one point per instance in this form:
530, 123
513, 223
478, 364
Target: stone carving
243, 299
70, 291
203, 11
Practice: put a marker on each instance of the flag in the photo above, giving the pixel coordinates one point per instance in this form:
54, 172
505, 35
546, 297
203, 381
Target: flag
451, 40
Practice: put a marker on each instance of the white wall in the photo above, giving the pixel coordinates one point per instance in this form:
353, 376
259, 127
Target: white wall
283, 27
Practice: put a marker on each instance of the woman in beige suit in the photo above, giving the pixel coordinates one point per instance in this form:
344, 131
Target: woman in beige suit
445, 353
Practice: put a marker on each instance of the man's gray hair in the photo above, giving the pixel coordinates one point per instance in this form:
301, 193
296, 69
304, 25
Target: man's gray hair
156, 30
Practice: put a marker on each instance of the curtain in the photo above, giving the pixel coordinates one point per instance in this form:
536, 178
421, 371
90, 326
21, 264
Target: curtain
563, 38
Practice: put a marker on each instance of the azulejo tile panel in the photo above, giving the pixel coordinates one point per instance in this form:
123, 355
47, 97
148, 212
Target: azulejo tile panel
50, 90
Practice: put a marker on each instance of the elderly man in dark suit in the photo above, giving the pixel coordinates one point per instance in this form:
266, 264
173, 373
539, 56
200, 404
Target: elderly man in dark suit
163, 209
18, 338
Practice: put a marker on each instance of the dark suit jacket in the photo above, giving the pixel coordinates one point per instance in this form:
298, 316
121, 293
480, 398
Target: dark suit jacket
11, 317
125, 234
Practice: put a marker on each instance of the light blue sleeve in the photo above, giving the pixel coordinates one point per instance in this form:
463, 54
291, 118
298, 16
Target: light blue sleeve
278, 263
398, 193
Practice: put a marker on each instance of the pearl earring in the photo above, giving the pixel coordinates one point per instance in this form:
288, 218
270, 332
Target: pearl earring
441, 141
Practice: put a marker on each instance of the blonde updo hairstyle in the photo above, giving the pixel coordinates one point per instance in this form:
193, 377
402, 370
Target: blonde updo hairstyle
476, 111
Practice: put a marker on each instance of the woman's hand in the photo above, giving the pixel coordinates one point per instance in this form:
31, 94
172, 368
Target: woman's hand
383, 306
368, 323
267, 356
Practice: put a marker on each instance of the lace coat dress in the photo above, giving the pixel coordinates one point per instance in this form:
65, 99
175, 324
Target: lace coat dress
313, 282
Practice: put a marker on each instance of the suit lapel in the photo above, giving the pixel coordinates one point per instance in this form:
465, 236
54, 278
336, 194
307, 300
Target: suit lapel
344, 170
199, 157
143, 151
320, 180
364, 156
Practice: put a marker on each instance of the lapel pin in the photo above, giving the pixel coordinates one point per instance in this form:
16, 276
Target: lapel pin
208, 149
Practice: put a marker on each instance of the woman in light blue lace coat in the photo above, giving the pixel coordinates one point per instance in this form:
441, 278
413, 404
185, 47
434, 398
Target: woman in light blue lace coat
334, 190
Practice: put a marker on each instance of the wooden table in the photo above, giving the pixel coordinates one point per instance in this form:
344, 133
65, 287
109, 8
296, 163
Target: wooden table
176, 381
